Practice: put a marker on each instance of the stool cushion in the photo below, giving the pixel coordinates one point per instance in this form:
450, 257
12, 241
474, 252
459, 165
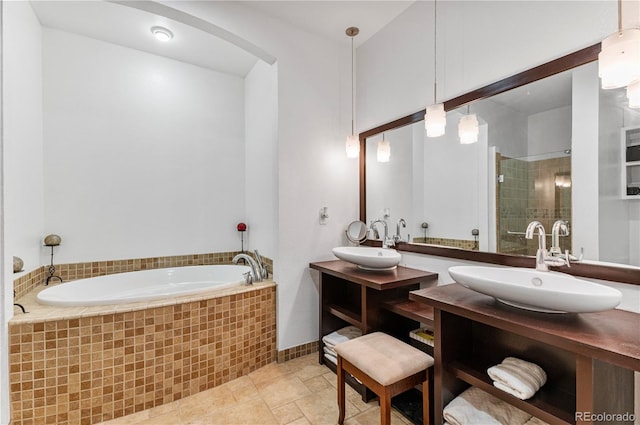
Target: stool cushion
384, 358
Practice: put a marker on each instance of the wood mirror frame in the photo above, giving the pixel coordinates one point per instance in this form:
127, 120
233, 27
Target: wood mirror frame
565, 63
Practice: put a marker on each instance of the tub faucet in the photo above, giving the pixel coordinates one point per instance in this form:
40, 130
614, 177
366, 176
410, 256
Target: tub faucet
255, 274
262, 268
387, 241
397, 237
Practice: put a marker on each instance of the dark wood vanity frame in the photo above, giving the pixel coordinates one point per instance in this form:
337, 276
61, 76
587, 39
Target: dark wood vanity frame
578, 58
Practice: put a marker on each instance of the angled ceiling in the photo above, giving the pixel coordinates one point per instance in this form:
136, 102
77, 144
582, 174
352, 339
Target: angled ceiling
129, 27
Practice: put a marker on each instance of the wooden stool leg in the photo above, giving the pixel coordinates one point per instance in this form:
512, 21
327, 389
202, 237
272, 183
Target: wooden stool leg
425, 400
341, 392
385, 407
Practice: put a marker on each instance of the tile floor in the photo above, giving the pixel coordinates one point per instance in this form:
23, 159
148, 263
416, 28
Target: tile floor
297, 392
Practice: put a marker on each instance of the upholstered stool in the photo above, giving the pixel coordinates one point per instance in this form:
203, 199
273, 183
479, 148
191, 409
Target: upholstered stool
387, 367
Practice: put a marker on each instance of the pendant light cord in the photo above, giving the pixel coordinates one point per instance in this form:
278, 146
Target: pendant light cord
435, 51
620, 16
353, 90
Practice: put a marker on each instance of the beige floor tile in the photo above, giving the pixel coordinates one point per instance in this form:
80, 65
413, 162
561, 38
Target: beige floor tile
311, 371
171, 418
252, 412
321, 408
205, 403
287, 413
317, 383
238, 383
301, 421
164, 409
283, 391
246, 392
131, 419
268, 374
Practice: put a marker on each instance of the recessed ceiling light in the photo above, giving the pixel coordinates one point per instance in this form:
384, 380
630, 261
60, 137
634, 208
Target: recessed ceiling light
162, 34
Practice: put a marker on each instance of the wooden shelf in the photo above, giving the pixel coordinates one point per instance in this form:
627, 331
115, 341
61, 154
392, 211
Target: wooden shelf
411, 309
347, 315
551, 405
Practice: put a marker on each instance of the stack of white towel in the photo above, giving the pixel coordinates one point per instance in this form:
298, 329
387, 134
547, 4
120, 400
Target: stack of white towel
341, 335
475, 406
518, 377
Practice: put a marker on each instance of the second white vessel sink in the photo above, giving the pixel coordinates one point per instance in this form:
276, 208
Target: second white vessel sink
369, 258
549, 292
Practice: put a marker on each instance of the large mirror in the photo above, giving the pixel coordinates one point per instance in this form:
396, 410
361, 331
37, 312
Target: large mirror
552, 149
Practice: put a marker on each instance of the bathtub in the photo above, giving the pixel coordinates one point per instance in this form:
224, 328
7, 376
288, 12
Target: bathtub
143, 285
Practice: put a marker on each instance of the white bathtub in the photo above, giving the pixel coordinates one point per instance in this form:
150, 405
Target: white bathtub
143, 285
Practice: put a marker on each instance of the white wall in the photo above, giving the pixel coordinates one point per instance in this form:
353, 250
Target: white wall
314, 90
479, 42
261, 156
391, 184
549, 131
144, 156
22, 197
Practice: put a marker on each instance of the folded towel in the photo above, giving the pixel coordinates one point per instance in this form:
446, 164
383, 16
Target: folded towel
330, 351
518, 377
535, 421
333, 359
341, 335
475, 406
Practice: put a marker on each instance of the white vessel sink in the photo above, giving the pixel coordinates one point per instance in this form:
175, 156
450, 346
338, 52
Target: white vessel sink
369, 258
549, 292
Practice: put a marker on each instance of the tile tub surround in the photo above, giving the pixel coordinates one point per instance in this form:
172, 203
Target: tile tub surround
73, 271
93, 365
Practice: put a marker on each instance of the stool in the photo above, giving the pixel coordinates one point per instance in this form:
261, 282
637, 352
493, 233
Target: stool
385, 365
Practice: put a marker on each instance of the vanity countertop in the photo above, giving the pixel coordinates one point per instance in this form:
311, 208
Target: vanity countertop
380, 280
612, 336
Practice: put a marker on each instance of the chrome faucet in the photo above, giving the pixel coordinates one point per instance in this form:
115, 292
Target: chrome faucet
543, 258
397, 237
262, 268
541, 253
387, 241
560, 228
254, 275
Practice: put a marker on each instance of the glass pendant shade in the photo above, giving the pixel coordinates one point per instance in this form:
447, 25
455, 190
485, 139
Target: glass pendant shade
384, 151
353, 146
619, 60
468, 129
435, 120
633, 94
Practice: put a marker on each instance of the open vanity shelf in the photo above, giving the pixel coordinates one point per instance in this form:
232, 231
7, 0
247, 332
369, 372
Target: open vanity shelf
589, 358
371, 301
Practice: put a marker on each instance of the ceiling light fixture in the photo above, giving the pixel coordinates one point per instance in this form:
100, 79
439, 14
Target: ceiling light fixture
384, 150
161, 34
435, 118
353, 143
468, 128
619, 59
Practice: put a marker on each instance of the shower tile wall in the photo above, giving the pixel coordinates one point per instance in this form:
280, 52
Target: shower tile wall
91, 369
529, 192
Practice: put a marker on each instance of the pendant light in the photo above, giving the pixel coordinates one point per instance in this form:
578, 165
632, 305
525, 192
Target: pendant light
619, 60
468, 128
384, 150
353, 143
435, 118
633, 94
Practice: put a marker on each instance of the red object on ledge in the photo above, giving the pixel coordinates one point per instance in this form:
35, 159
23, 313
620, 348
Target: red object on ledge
242, 227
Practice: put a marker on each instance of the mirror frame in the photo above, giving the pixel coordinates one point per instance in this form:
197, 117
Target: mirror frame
564, 63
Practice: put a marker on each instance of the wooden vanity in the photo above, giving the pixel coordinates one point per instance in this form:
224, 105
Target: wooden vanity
589, 358
371, 301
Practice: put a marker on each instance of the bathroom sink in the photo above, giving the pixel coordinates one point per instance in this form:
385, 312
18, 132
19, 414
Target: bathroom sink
549, 292
369, 258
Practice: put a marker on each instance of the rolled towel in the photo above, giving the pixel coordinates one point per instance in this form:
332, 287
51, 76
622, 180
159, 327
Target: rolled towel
341, 335
475, 406
518, 377
330, 351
